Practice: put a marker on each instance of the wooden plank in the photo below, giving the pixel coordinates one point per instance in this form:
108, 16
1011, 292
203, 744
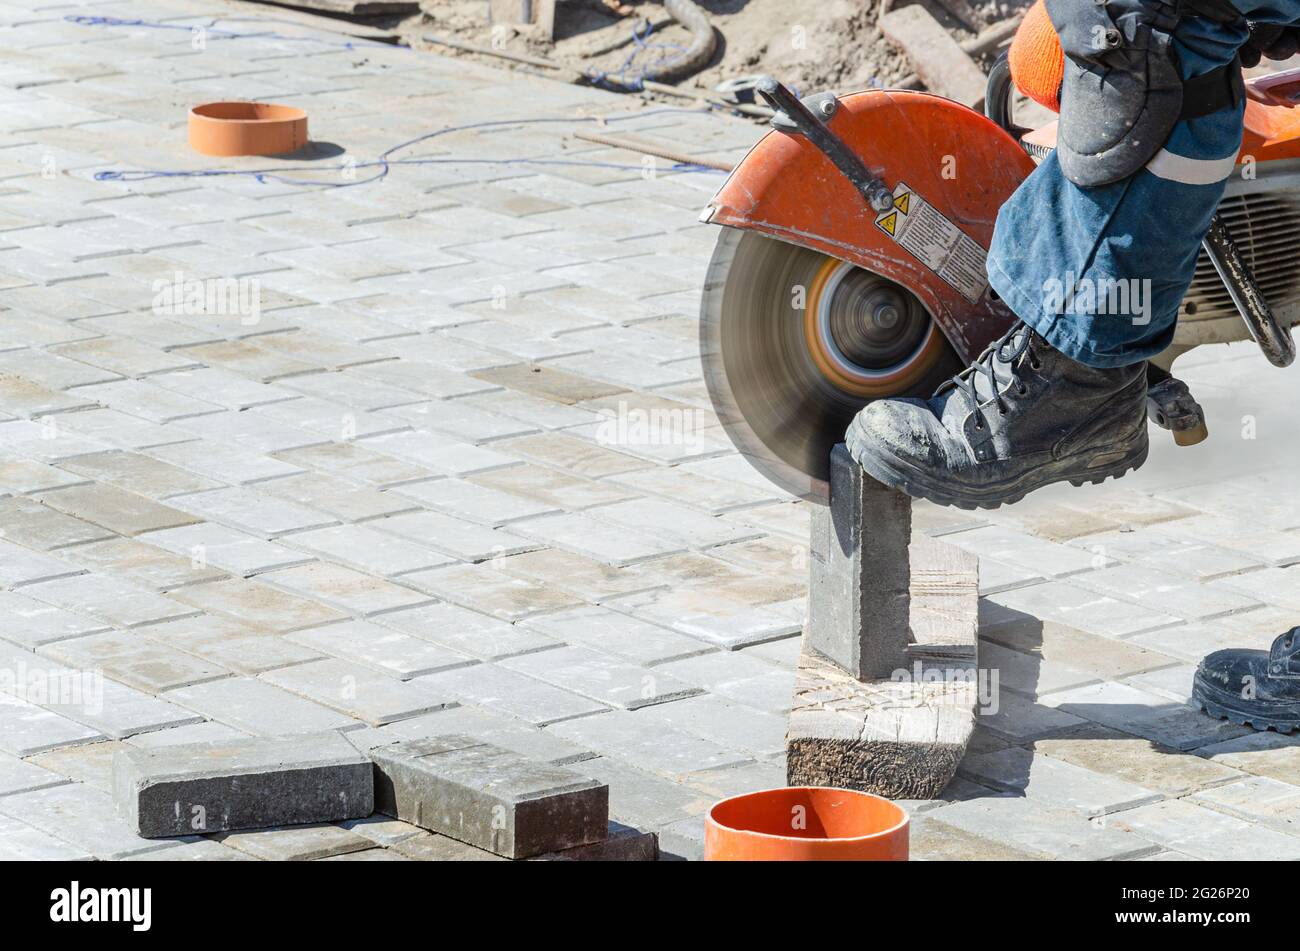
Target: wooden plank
939, 61
900, 740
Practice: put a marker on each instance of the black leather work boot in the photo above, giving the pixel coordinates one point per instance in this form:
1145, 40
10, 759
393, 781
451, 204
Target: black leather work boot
1259, 689
1022, 416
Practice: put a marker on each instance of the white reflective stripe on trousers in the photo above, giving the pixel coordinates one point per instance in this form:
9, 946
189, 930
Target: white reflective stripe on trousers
1190, 171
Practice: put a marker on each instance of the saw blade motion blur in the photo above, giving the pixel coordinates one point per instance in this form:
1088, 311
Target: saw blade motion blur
794, 343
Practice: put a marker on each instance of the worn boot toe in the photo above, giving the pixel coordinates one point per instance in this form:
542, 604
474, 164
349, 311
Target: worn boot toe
1020, 417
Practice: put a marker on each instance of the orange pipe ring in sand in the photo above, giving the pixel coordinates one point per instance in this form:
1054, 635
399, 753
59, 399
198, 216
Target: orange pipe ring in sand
808, 824
247, 128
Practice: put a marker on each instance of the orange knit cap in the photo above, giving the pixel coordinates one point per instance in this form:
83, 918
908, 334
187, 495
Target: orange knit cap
1037, 63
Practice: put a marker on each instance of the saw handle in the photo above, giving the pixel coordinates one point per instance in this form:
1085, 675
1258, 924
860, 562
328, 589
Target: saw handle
788, 105
1274, 339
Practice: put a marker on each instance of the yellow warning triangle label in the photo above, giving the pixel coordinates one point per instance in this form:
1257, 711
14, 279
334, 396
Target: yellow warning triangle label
889, 222
900, 202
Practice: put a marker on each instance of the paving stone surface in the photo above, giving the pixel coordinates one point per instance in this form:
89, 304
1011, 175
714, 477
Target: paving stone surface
398, 485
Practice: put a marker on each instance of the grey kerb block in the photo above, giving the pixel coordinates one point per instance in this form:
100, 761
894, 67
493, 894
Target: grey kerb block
858, 602
242, 784
489, 797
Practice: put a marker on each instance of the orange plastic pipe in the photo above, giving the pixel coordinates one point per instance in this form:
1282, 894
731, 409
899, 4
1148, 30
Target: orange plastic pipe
806, 824
247, 128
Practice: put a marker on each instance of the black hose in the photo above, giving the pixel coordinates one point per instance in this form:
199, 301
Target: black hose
997, 96
704, 42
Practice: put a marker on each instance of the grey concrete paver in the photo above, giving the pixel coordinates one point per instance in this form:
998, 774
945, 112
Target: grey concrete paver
20, 842
226, 463
1191, 642
116, 509
386, 650
31, 729
21, 566
17, 775
296, 843
82, 817
453, 536
1204, 833
1027, 824
558, 489
648, 743
335, 496
496, 688
33, 525
486, 588
364, 548
1257, 799
134, 660
727, 724
359, 691
601, 677
1056, 782
618, 634
31, 623
259, 708
345, 588
1158, 718
1263, 754
225, 548
144, 564
499, 729
109, 599
251, 511
258, 605
1138, 761
466, 631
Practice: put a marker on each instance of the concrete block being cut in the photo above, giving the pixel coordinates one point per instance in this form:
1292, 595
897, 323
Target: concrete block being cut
250, 783
888, 682
859, 573
489, 797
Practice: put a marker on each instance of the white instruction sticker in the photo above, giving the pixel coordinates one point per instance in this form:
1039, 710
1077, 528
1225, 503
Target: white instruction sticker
935, 241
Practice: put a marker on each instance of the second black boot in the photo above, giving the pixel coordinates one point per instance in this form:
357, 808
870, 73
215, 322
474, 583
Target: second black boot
1022, 416
1259, 689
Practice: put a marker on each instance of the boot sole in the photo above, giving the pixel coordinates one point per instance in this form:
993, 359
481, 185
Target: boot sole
917, 484
1225, 706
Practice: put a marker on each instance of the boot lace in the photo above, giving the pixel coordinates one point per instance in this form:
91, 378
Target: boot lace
1001, 350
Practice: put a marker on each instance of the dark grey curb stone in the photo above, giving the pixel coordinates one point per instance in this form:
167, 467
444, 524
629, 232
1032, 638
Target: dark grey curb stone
242, 784
489, 797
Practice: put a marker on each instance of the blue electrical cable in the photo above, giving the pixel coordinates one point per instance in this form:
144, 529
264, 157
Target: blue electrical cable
211, 29
639, 45
383, 163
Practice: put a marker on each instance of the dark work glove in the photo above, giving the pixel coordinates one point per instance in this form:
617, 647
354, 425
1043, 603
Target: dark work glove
1271, 41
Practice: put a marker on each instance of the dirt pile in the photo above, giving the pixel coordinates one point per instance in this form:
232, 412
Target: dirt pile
810, 44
